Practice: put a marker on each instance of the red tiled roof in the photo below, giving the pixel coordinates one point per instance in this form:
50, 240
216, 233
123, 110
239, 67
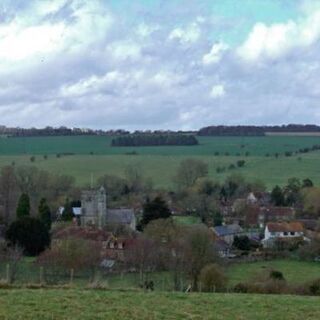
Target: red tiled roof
86, 233
285, 227
278, 211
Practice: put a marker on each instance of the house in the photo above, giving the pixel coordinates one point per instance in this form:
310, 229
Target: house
251, 198
227, 233
223, 249
282, 231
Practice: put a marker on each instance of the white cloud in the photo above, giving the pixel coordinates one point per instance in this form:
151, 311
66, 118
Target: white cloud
144, 30
25, 38
190, 34
123, 50
278, 39
215, 54
217, 91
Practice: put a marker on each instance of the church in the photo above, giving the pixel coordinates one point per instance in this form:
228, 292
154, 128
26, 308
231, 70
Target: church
94, 211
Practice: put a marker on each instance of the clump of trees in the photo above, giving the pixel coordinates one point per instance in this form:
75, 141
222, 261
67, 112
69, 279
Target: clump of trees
294, 193
154, 140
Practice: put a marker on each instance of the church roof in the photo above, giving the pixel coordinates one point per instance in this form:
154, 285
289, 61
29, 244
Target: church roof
123, 216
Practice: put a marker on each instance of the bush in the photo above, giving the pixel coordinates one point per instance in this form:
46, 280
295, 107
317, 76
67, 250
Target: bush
212, 278
240, 163
276, 275
315, 287
240, 288
30, 234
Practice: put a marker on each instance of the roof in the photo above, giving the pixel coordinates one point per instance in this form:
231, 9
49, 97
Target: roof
278, 211
86, 233
122, 216
227, 230
76, 210
285, 227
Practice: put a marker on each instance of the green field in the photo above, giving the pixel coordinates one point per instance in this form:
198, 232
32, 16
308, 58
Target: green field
160, 163
97, 304
295, 272
256, 146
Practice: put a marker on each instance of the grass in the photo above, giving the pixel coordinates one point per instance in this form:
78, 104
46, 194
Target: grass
187, 220
160, 163
162, 168
295, 272
97, 304
101, 145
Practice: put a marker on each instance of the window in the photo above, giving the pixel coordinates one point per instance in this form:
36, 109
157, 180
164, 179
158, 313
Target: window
292, 233
285, 233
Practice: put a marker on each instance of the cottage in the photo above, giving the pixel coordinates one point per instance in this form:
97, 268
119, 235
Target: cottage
227, 233
282, 231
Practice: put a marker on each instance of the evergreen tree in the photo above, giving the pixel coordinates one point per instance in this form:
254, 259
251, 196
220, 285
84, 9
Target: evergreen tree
277, 196
44, 213
23, 208
155, 209
30, 234
67, 214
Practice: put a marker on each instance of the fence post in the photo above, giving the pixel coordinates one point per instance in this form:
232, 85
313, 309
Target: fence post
71, 275
8, 272
41, 275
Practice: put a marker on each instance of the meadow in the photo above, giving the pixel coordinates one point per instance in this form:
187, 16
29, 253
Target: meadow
294, 271
100, 304
86, 156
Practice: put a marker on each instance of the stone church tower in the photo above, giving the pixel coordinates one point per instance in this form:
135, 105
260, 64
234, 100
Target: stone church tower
94, 207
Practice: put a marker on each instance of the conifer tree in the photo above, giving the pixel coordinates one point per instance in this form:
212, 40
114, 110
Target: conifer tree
23, 208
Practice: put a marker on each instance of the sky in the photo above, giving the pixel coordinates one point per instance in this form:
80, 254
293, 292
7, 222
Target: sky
159, 64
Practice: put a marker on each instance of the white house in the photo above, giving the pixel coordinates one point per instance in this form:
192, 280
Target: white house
282, 230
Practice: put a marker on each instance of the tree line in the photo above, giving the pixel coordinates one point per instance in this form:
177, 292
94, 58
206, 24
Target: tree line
154, 140
255, 130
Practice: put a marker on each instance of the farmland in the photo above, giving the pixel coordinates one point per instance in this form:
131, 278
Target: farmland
295, 272
83, 156
99, 304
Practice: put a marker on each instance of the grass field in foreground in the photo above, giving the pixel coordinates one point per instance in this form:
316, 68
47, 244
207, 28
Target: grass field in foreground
295, 272
162, 168
94, 304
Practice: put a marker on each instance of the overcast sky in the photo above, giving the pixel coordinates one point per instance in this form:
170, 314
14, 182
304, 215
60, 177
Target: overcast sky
159, 64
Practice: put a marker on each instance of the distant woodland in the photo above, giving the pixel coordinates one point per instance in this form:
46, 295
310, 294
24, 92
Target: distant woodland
154, 140
256, 130
160, 137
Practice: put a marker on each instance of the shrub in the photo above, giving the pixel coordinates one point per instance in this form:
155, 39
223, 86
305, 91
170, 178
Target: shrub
241, 288
276, 275
315, 287
240, 163
212, 278
32, 159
